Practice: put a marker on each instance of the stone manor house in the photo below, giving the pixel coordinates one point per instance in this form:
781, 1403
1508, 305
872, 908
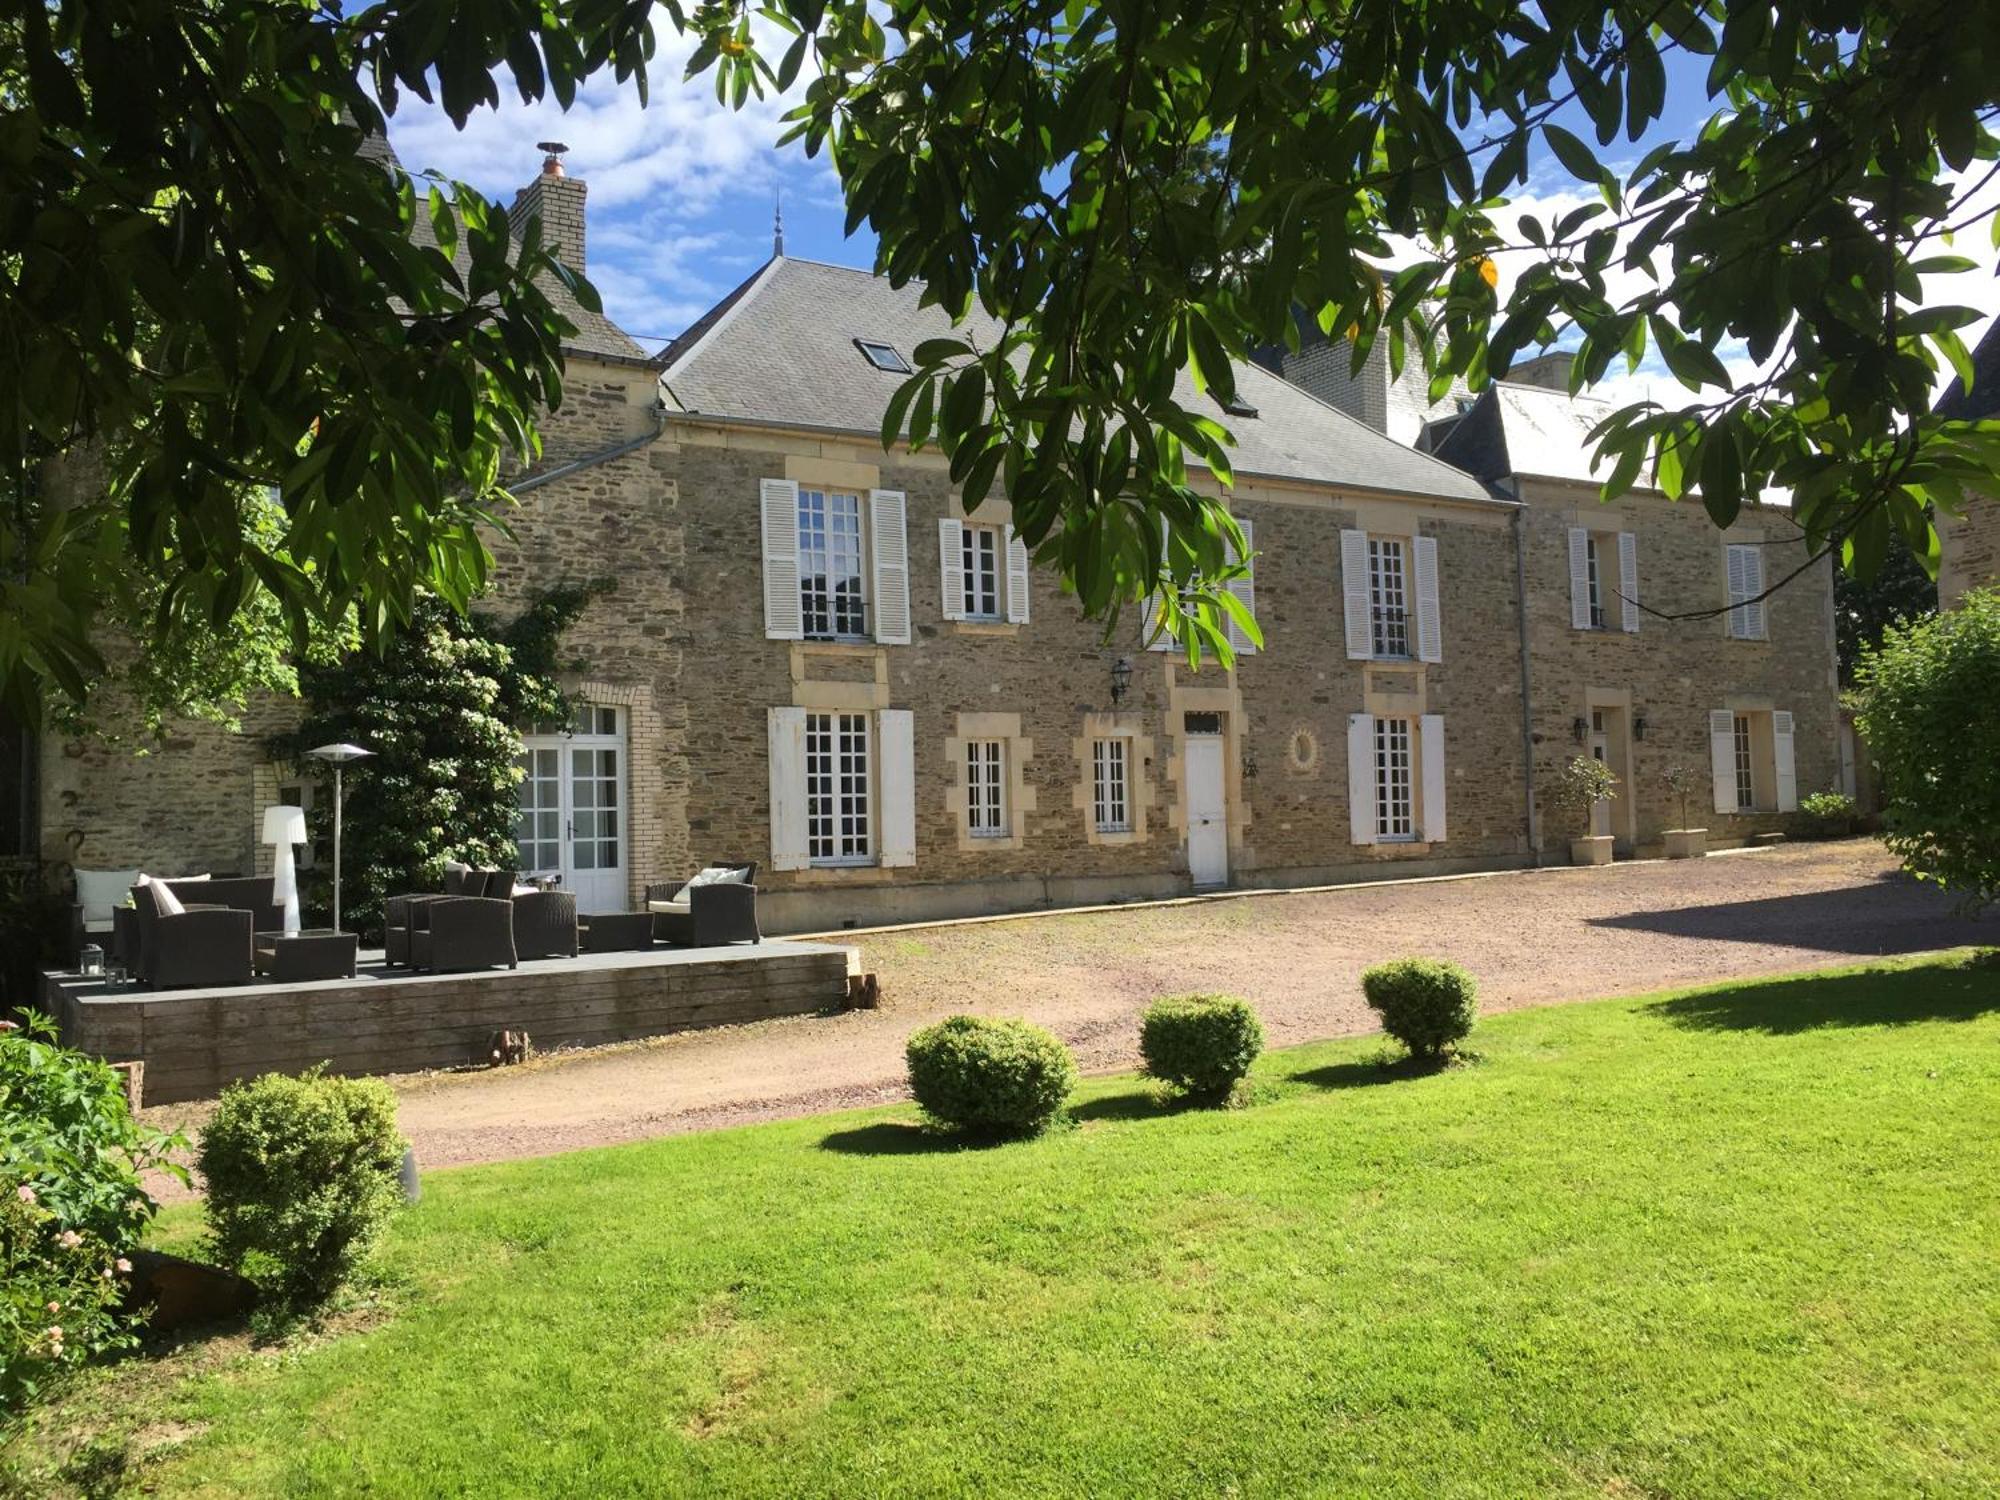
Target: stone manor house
815, 658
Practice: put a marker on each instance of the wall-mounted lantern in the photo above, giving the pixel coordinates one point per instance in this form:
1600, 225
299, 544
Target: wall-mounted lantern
1121, 678
1639, 727
1580, 728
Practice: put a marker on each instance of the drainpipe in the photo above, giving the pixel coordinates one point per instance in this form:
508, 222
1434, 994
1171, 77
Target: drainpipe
592, 460
1527, 685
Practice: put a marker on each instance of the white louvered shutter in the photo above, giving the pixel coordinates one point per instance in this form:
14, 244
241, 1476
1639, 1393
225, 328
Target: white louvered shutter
951, 567
1431, 729
1245, 589
1361, 777
788, 788
896, 739
1430, 623
1151, 636
1628, 580
1722, 757
1746, 581
784, 614
1354, 588
1017, 578
1781, 753
891, 544
1579, 578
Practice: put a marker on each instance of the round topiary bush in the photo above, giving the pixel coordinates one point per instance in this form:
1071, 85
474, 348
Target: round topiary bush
1201, 1044
302, 1174
989, 1076
1426, 1004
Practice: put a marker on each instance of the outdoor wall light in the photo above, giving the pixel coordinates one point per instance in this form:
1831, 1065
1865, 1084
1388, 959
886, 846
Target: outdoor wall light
1579, 727
1639, 727
1121, 678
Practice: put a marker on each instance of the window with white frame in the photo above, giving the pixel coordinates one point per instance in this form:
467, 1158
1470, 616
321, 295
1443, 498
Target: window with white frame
832, 591
1593, 547
1388, 597
839, 820
1111, 785
1746, 764
1395, 802
986, 788
980, 550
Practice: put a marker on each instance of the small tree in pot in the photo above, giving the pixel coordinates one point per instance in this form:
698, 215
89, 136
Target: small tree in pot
1580, 786
1685, 841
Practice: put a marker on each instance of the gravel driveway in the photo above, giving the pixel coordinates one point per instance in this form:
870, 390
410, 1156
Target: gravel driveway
1530, 937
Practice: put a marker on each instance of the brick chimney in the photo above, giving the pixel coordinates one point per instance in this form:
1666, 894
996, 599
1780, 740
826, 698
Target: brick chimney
558, 199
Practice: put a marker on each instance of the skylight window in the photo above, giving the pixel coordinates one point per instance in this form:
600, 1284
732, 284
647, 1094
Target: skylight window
883, 356
1238, 407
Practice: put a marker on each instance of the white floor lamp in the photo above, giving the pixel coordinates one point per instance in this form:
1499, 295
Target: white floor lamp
285, 826
337, 756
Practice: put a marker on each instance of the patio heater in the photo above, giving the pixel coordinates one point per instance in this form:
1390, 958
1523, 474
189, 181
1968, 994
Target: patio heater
337, 756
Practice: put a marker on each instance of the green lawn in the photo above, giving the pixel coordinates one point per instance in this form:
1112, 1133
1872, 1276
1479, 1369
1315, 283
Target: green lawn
1742, 1241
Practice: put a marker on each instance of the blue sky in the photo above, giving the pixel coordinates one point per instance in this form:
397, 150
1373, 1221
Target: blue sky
682, 190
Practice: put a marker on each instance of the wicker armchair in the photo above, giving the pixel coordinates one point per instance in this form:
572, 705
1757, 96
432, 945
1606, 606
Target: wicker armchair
397, 923
461, 932
199, 947
716, 907
545, 924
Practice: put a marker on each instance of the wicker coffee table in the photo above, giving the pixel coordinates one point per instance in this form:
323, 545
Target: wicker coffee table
314, 954
617, 931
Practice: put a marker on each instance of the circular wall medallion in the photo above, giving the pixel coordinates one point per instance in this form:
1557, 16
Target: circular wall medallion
1302, 753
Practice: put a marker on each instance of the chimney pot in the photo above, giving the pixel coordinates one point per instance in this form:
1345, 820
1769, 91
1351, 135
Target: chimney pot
552, 157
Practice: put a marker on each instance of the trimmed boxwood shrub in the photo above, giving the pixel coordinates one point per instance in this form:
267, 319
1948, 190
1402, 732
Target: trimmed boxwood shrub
1201, 1044
302, 1174
990, 1077
1426, 1004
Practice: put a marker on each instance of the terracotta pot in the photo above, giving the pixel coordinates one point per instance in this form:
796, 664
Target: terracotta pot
1687, 843
1595, 850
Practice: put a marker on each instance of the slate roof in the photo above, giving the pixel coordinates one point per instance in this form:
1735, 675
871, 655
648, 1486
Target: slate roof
595, 334
1984, 400
1527, 430
780, 349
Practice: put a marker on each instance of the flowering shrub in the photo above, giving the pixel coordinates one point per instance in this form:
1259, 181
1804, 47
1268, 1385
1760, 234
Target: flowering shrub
60, 1294
302, 1174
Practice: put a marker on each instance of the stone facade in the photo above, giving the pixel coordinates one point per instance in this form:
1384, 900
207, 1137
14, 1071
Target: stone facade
1971, 549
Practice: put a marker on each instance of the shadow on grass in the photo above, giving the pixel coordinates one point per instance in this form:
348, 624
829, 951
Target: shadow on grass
1138, 1104
1369, 1071
1887, 997
903, 1138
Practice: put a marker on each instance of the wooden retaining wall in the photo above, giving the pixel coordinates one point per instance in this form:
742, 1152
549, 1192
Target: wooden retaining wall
194, 1043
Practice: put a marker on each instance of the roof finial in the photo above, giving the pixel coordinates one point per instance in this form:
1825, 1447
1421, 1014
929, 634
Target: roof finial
778, 224
552, 158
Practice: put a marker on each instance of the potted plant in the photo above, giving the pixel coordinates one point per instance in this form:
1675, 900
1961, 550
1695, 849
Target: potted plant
1580, 786
1684, 842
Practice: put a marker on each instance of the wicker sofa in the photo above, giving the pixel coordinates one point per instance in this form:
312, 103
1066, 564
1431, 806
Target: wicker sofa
208, 942
716, 906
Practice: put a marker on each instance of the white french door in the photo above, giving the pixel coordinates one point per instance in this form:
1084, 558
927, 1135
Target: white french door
571, 822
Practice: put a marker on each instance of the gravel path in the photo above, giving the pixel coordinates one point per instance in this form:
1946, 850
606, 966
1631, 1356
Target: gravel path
1531, 938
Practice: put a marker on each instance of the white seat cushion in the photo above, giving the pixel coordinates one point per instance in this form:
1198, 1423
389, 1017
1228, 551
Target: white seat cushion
98, 891
670, 908
714, 875
165, 902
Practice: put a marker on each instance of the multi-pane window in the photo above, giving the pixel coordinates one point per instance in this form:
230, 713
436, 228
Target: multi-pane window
1592, 551
1746, 776
1395, 811
985, 788
1111, 787
980, 546
1388, 597
839, 826
830, 577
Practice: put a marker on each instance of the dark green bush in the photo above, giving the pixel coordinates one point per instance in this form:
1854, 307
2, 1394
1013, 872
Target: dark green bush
990, 1077
1824, 815
1201, 1044
302, 1174
1426, 1004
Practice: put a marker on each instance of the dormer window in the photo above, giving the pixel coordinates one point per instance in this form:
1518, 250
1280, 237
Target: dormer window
883, 356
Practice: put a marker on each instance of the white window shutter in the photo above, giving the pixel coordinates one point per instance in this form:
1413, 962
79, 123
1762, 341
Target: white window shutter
1361, 777
784, 614
1017, 577
1354, 585
1781, 753
1753, 585
1430, 730
1579, 578
1430, 624
1245, 589
1628, 580
891, 545
788, 788
896, 737
951, 567
1722, 757
1151, 636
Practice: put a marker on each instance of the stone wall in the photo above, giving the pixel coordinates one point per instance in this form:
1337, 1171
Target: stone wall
1971, 543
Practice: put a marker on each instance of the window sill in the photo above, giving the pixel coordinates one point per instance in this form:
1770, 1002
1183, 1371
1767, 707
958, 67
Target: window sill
844, 646
984, 627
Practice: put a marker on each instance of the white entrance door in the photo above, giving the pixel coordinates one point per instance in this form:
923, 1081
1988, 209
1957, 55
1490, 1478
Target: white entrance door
1600, 749
571, 823
1207, 812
